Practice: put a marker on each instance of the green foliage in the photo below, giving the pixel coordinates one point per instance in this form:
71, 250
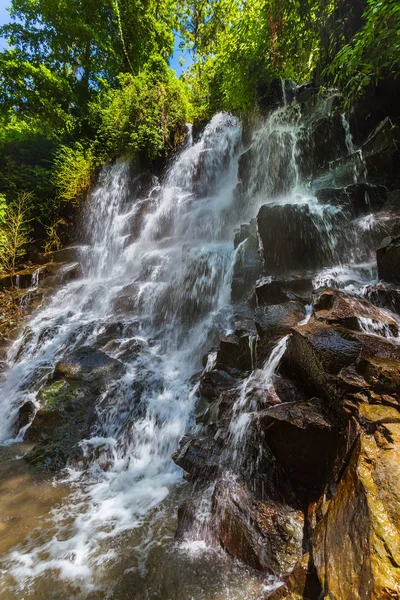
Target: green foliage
15, 231
73, 171
145, 115
373, 53
242, 49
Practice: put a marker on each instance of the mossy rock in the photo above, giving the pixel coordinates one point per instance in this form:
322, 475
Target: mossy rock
68, 406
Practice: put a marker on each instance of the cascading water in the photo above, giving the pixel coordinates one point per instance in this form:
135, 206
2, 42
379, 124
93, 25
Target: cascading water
156, 270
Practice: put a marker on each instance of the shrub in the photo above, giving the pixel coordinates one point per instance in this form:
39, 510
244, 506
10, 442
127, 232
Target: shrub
73, 171
15, 230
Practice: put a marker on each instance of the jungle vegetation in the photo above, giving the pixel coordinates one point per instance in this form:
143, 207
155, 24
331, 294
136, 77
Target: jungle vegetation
83, 82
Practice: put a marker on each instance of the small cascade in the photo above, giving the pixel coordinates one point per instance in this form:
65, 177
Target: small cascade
245, 406
359, 167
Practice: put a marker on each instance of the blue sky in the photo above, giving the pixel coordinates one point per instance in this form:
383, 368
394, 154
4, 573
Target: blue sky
4, 18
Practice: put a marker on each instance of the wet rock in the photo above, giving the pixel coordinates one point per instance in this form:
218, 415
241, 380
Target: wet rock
200, 456
301, 584
384, 295
289, 236
357, 543
87, 364
377, 103
69, 272
336, 362
360, 198
275, 321
140, 185
247, 266
381, 150
264, 535
235, 352
68, 406
337, 308
388, 259
303, 437
213, 383
278, 92
276, 291
241, 234
25, 415
65, 255
326, 141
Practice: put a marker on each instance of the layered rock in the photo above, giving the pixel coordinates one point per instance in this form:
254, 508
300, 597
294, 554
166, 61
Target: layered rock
356, 544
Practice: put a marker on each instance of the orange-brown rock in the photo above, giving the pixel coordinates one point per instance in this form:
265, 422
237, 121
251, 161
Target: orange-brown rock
266, 535
357, 541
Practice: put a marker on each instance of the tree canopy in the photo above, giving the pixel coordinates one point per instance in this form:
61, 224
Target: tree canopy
84, 81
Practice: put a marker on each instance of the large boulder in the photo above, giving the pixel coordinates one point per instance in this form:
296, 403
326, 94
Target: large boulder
381, 150
303, 437
388, 259
68, 404
275, 291
289, 235
247, 263
337, 308
357, 541
200, 456
265, 535
337, 363
384, 295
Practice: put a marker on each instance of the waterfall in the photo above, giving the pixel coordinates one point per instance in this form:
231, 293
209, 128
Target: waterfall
154, 295
156, 269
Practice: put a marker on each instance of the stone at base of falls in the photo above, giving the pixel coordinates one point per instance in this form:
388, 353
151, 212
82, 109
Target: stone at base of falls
357, 541
301, 584
25, 415
234, 351
338, 363
289, 237
199, 456
266, 535
68, 406
388, 259
87, 364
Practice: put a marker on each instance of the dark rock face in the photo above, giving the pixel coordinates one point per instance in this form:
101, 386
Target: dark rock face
275, 321
327, 141
386, 296
289, 237
275, 291
241, 520
388, 258
247, 266
359, 198
303, 437
335, 362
